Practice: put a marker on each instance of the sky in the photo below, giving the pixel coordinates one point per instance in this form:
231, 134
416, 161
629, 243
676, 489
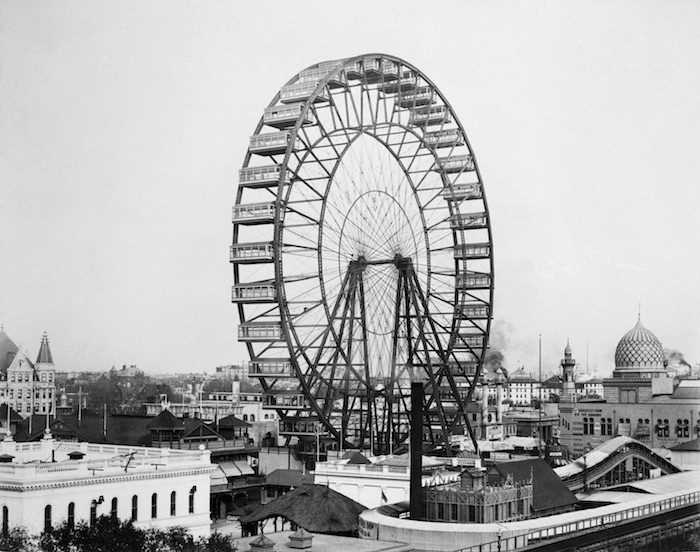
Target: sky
123, 125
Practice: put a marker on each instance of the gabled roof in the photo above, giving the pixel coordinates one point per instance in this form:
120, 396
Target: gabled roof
7, 351
288, 478
195, 427
232, 421
547, 489
44, 355
166, 420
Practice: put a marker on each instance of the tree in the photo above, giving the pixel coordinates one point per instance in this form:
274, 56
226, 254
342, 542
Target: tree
16, 540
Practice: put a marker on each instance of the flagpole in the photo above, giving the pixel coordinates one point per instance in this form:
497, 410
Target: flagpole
539, 420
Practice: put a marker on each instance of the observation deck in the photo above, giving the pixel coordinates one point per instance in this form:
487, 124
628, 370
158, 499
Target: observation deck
456, 163
260, 331
271, 368
254, 293
466, 221
426, 116
444, 138
260, 177
302, 91
423, 95
272, 143
473, 280
472, 251
252, 253
285, 116
254, 213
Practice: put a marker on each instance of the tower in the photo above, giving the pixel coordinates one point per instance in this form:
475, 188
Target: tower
568, 391
44, 382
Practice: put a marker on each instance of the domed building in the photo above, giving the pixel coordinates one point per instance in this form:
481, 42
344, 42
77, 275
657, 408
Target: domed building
641, 400
639, 354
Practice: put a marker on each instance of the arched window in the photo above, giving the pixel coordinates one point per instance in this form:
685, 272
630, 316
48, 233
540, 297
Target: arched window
172, 503
585, 426
134, 508
190, 506
71, 515
154, 505
113, 509
245, 417
5, 520
252, 417
266, 416
47, 518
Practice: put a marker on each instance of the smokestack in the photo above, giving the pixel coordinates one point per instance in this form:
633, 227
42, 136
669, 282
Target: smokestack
416, 479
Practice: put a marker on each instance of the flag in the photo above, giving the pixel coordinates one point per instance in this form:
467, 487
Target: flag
384, 498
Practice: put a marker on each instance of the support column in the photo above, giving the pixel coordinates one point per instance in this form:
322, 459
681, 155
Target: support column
416, 477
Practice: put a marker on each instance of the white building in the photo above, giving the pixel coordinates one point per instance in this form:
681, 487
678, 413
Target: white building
522, 387
380, 479
45, 483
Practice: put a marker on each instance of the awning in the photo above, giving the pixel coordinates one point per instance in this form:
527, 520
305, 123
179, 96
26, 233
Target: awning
236, 468
218, 477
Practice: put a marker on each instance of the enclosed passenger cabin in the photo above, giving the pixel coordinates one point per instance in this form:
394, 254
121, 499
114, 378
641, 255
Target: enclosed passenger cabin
254, 213
286, 115
444, 138
258, 292
369, 69
473, 310
252, 253
472, 251
271, 368
302, 91
473, 280
285, 400
459, 192
466, 368
260, 177
272, 143
260, 331
423, 95
455, 163
298, 426
319, 73
407, 81
471, 340
466, 221
426, 116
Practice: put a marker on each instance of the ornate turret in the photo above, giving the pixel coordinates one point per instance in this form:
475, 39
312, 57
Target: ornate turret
639, 353
44, 356
568, 363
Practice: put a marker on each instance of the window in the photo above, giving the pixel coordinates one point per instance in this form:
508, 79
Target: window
666, 430
252, 417
93, 512
245, 417
5, 520
585, 426
190, 507
154, 505
47, 519
113, 509
172, 503
71, 515
134, 508
453, 512
686, 429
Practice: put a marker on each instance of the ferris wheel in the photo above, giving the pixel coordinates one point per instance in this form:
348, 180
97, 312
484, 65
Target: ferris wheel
362, 255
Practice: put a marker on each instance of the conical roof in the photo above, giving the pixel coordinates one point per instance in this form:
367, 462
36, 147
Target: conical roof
44, 356
639, 348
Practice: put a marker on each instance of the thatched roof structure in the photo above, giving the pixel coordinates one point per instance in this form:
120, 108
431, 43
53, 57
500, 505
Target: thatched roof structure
316, 508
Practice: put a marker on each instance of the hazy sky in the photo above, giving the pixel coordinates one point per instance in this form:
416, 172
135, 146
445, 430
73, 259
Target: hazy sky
123, 125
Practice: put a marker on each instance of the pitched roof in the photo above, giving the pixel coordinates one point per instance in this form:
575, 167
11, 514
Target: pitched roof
288, 478
8, 350
355, 457
44, 355
232, 421
693, 445
14, 417
316, 508
547, 489
166, 420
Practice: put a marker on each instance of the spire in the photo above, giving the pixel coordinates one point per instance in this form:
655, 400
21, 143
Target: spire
44, 356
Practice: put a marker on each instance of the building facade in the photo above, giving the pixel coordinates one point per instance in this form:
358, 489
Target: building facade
28, 387
641, 401
45, 483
